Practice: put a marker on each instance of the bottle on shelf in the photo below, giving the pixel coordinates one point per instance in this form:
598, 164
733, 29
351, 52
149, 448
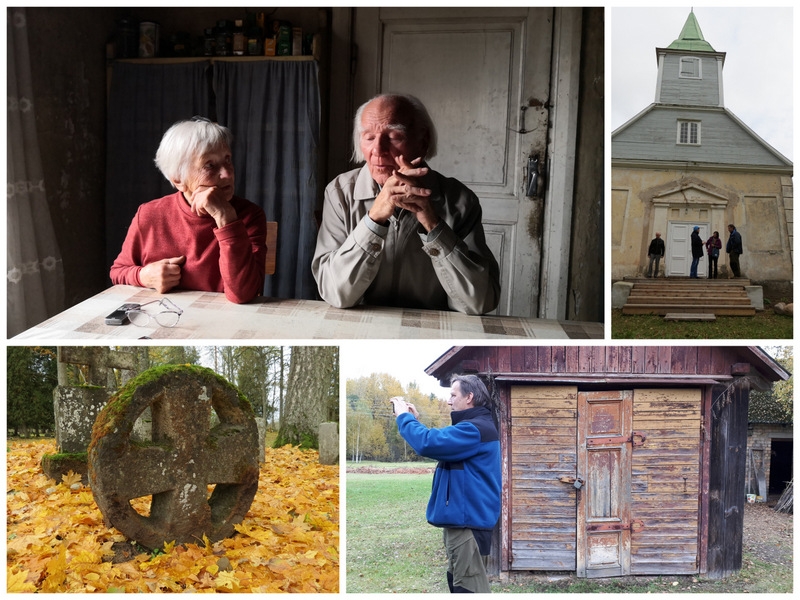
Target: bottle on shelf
239, 41
224, 41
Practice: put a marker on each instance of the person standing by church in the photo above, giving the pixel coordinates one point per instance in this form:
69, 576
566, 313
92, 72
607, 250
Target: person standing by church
713, 246
655, 253
697, 251
734, 249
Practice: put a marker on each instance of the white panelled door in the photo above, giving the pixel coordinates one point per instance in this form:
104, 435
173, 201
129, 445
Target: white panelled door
484, 75
679, 250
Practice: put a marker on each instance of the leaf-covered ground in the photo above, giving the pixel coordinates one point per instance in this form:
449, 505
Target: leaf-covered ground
288, 542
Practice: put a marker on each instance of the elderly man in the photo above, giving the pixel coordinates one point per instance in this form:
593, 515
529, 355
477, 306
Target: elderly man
202, 237
465, 496
396, 233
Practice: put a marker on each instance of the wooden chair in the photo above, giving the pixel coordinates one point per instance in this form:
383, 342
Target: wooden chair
272, 247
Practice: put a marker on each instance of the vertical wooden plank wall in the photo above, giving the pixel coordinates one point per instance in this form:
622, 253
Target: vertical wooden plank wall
665, 482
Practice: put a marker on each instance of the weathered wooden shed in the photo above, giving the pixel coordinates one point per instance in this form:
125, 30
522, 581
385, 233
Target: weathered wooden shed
619, 460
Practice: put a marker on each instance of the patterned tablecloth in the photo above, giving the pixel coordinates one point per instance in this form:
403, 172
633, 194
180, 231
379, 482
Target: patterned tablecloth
210, 316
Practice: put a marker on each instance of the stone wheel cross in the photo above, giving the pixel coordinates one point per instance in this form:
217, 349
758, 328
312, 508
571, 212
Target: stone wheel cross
185, 456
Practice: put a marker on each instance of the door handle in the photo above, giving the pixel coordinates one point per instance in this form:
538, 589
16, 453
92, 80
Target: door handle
532, 188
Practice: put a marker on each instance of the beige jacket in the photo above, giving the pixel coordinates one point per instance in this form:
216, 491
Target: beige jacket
358, 261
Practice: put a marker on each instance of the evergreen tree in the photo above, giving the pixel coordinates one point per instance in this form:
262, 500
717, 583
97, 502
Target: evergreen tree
31, 378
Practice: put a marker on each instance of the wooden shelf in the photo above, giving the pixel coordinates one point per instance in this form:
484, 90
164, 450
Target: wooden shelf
191, 59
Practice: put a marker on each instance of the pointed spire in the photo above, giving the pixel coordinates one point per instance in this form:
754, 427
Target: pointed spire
691, 38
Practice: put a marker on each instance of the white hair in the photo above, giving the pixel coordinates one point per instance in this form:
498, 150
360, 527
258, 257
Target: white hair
420, 126
187, 140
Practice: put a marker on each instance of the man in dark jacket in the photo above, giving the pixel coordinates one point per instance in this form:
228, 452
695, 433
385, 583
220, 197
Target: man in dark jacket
734, 249
465, 499
655, 253
697, 251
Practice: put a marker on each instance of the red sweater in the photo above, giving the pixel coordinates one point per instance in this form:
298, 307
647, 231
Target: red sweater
229, 259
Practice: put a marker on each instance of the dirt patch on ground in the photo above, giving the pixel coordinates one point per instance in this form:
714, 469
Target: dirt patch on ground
768, 535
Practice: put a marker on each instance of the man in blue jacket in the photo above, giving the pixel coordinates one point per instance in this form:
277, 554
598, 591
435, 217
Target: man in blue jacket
465, 498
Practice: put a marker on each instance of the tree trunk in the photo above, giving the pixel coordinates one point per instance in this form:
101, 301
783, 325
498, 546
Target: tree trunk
311, 372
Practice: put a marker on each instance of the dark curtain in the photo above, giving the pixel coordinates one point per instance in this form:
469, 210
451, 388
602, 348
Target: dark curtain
144, 100
273, 109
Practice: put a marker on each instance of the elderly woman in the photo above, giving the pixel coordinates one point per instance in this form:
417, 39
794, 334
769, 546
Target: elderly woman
202, 237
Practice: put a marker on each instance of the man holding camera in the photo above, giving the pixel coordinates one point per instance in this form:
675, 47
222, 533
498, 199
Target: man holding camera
465, 499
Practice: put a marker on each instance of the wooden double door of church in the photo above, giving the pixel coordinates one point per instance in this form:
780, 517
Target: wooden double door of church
605, 483
679, 250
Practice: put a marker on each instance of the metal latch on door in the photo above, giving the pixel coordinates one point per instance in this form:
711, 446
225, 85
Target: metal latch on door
620, 439
577, 482
633, 526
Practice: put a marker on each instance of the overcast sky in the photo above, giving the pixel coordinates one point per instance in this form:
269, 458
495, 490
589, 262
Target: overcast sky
757, 75
406, 360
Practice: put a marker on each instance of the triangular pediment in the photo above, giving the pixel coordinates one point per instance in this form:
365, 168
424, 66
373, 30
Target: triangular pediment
692, 193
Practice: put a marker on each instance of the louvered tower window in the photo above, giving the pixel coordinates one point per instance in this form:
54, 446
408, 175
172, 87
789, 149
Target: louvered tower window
690, 68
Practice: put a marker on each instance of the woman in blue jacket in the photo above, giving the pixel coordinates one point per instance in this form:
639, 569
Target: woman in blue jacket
465, 498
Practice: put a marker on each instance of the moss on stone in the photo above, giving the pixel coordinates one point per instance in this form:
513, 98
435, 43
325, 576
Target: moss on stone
61, 456
119, 402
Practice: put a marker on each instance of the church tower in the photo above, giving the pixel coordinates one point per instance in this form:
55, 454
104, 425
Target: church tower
690, 70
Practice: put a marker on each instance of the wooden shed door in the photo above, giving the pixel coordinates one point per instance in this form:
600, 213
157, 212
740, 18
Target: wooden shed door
604, 499
543, 421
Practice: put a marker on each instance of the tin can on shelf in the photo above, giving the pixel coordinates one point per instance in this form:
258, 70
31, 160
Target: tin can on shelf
148, 39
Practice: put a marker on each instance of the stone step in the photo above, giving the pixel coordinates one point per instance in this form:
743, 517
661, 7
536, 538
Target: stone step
691, 289
701, 283
717, 309
684, 299
690, 317
687, 296
688, 281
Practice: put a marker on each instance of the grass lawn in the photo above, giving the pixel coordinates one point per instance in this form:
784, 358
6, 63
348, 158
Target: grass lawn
765, 325
390, 546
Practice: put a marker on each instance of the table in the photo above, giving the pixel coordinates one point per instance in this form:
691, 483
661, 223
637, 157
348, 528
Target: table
208, 315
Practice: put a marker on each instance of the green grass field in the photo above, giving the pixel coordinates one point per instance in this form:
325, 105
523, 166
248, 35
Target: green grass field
763, 326
390, 546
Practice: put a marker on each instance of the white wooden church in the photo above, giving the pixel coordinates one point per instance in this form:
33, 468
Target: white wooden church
685, 161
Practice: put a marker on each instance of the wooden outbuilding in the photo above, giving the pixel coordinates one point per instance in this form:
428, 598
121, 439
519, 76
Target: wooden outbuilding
619, 460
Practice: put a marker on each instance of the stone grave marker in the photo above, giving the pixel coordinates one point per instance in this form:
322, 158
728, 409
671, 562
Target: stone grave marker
329, 443
77, 407
185, 456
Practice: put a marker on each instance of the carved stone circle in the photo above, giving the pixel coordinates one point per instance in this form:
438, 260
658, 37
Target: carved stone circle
185, 456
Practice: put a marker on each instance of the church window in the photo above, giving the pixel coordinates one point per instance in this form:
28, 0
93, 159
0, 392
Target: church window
689, 132
690, 68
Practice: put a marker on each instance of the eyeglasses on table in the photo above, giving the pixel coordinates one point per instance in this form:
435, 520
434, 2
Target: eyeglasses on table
167, 317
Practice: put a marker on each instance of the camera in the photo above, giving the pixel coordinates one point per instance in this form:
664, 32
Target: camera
391, 401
